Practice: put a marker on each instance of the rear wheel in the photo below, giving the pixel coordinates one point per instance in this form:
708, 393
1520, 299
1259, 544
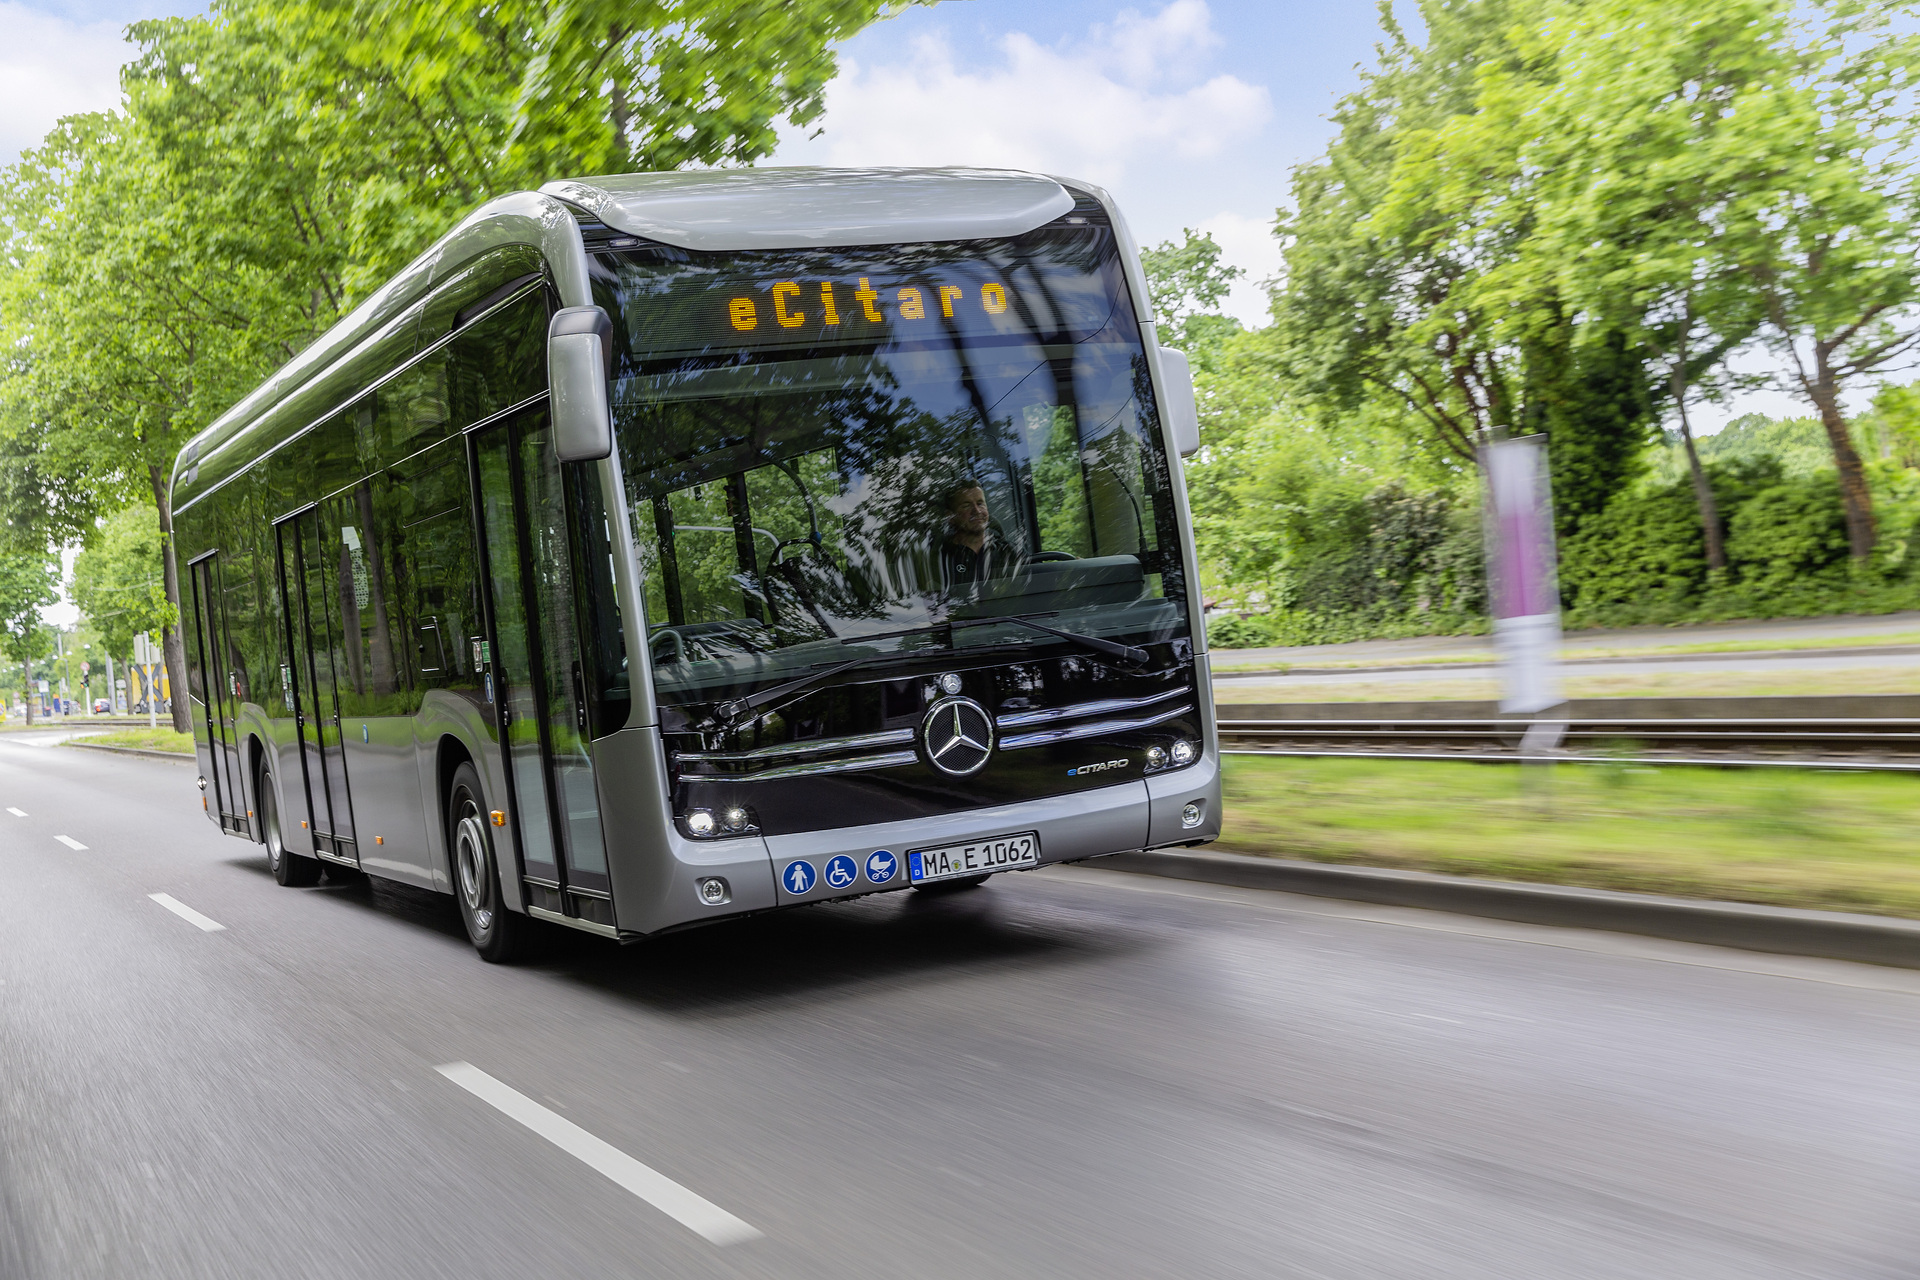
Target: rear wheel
288, 867
499, 935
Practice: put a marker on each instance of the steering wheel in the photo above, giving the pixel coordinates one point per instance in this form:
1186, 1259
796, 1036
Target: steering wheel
774, 559
1038, 557
679, 647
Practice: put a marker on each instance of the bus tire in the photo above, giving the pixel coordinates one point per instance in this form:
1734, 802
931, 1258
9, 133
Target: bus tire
288, 867
499, 935
952, 886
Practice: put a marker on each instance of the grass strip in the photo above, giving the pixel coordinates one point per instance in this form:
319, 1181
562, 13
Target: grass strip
145, 739
1791, 838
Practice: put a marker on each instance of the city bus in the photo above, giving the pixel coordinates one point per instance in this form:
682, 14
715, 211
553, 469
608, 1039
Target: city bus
665, 548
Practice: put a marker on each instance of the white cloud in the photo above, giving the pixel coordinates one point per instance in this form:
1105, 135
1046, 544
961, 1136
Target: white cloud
1246, 243
1114, 105
49, 68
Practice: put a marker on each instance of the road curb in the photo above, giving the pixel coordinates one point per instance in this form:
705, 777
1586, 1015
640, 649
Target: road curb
178, 757
1833, 935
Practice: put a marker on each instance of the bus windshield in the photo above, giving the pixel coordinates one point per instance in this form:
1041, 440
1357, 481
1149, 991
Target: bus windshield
831, 455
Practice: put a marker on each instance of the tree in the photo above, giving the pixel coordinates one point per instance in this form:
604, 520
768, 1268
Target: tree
1636, 180
1825, 219
1187, 282
275, 163
119, 580
1409, 278
29, 582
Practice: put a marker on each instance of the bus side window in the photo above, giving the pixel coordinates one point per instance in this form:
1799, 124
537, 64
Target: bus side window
436, 541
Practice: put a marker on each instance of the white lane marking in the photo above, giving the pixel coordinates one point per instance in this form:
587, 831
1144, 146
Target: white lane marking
663, 1193
18, 813
70, 842
186, 912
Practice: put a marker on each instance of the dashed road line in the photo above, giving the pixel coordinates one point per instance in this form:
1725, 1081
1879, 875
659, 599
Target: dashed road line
70, 842
18, 813
657, 1189
186, 912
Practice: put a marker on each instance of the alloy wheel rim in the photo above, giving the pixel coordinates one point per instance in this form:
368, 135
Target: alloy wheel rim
470, 846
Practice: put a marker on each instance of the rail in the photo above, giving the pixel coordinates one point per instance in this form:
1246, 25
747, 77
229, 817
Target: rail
1852, 742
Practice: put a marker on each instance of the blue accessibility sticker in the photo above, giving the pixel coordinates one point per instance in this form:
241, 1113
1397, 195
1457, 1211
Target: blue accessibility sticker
882, 866
798, 877
841, 871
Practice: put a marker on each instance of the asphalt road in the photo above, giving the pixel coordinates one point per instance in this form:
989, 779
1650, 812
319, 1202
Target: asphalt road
1068, 1073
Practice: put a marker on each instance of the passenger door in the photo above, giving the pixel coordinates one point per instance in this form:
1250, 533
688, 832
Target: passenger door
317, 664
535, 664
220, 696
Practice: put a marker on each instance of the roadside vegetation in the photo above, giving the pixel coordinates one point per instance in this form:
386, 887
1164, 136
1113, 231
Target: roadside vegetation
1592, 219
1785, 837
162, 738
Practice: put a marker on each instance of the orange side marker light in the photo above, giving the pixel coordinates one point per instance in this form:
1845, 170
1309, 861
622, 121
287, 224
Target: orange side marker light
499, 817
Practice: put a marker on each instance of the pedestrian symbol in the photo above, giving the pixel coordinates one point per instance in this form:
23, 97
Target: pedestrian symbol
798, 877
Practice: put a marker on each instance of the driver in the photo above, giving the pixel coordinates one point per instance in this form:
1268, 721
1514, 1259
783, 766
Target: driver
972, 551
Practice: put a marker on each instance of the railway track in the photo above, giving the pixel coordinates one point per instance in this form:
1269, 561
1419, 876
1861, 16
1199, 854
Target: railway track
1853, 742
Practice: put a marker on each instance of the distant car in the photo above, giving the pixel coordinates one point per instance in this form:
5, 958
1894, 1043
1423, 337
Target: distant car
102, 707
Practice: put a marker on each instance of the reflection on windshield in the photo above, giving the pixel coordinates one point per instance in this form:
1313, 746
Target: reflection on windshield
797, 505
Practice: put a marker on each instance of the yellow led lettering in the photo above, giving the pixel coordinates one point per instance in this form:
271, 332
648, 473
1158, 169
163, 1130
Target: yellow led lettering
867, 298
948, 292
794, 319
741, 312
993, 298
826, 302
912, 306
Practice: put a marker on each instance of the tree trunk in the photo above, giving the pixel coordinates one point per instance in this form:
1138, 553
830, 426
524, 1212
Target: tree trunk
1702, 491
173, 649
1854, 493
26, 686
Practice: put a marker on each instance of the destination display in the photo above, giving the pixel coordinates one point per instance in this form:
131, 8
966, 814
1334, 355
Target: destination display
926, 296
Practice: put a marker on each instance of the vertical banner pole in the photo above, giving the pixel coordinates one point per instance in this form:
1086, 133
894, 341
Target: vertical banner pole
1523, 584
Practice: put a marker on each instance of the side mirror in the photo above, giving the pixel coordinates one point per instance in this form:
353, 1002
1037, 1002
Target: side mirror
579, 366
1182, 410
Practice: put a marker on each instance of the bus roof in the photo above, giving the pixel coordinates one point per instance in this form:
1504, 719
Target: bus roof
705, 210
735, 209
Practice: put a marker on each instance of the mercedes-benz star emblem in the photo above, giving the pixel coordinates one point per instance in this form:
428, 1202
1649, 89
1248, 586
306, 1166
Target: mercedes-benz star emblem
957, 736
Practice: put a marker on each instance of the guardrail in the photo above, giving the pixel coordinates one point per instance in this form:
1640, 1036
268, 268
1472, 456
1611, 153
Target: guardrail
1805, 732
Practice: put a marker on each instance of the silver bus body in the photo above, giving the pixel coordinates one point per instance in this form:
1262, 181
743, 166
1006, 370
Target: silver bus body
358, 733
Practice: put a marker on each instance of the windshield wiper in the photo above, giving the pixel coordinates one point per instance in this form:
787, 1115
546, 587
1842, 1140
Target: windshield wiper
738, 712
1129, 654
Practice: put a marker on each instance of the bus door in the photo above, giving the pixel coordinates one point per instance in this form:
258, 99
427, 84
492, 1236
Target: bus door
540, 697
317, 659
218, 687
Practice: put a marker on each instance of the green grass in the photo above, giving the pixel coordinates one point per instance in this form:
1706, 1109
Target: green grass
146, 739
1795, 838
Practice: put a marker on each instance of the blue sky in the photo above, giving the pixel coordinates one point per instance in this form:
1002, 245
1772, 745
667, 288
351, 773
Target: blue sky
1191, 111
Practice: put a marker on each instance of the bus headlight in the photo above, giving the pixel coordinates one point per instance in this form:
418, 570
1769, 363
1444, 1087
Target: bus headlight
706, 824
1156, 758
1183, 752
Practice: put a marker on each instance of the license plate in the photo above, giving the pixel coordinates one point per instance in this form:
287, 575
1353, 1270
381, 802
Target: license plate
1002, 853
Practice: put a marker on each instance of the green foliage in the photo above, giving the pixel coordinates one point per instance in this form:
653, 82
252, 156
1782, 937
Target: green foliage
29, 582
1187, 283
118, 580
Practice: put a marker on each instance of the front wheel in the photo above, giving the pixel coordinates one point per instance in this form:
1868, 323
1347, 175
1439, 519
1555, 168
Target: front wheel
288, 867
499, 935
